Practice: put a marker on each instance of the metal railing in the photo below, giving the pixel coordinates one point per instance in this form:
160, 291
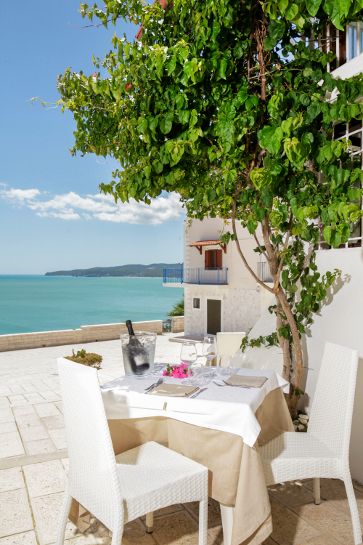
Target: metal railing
195, 275
263, 272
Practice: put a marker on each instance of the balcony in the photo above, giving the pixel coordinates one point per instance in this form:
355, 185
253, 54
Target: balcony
194, 275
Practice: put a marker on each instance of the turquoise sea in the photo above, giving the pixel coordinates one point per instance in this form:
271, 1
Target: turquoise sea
47, 303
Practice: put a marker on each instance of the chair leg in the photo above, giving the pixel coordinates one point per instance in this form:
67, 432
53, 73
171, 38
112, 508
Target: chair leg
203, 522
227, 515
316, 487
357, 530
117, 536
63, 519
150, 523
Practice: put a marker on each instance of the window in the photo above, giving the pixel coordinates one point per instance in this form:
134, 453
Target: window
196, 302
353, 132
346, 44
213, 259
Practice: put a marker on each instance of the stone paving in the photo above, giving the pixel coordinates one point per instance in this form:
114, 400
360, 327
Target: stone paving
33, 468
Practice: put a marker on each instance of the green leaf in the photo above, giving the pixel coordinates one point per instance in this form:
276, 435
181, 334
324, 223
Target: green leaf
238, 50
283, 5
193, 118
291, 12
313, 6
222, 67
166, 124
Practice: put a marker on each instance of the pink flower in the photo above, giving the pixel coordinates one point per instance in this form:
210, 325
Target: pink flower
94, 75
128, 86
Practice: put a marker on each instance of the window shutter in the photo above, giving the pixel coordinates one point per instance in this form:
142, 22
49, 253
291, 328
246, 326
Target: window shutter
206, 260
219, 259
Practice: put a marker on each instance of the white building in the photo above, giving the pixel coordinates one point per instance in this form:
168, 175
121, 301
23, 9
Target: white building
238, 300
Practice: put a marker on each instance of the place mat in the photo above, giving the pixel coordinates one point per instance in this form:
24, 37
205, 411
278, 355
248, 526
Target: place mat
251, 382
173, 390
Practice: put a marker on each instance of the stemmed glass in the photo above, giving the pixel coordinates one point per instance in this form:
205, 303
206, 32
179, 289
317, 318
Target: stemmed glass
188, 355
209, 349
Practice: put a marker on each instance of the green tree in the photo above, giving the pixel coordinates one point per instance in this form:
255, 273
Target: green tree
227, 103
178, 309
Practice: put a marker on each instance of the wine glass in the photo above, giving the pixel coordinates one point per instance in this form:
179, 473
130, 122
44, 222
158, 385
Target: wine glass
188, 355
209, 349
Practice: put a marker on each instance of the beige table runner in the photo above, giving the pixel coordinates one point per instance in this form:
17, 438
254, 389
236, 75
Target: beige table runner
235, 470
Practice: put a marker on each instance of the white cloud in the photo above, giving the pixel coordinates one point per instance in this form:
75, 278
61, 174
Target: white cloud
20, 195
72, 206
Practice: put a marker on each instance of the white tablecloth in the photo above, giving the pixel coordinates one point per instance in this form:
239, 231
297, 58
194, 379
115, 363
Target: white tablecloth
228, 409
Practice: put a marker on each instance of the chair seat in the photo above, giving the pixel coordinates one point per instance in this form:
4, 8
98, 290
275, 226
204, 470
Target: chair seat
298, 456
153, 476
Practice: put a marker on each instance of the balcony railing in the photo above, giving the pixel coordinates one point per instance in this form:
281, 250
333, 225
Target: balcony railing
194, 275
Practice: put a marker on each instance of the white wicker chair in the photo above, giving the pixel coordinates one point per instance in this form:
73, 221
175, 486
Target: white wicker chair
119, 489
324, 450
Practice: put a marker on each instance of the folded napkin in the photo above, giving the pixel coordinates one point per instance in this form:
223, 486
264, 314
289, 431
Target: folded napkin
251, 382
173, 390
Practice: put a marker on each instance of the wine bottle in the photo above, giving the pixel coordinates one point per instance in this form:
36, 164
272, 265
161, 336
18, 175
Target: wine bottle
136, 351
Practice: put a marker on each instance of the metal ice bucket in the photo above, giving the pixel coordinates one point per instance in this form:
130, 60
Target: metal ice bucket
138, 353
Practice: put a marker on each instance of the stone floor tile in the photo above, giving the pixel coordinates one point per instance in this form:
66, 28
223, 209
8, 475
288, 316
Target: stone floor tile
135, 534
215, 535
53, 422
8, 426
11, 479
15, 513
4, 402
291, 494
59, 405
5, 391
288, 528
46, 409
329, 519
26, 538
46, 512
16, 388
28, 420
321, 540
49, 395
214, 511
21, 411
65, 463
34, 398
59, 438
39, 447
334, 491
45, 478
10, 445
6, 415
88, 539
178, 529
33, 433
17, 401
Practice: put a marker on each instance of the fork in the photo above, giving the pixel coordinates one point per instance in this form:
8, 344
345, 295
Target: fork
160, 381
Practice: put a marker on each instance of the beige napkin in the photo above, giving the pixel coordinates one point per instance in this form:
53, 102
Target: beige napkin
173, 390
251, 382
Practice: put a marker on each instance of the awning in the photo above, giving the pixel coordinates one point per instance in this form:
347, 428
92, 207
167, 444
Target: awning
200, 243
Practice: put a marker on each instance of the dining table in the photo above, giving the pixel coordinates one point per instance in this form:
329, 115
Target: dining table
222, 429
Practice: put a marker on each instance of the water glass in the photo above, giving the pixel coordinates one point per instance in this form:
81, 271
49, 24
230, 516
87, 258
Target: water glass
209, 349
188, 355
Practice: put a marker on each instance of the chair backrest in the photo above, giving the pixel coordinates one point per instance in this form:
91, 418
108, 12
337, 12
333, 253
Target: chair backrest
331, 414
92, 477
228, 344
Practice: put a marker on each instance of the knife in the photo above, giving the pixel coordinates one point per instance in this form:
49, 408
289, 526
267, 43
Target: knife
199, 392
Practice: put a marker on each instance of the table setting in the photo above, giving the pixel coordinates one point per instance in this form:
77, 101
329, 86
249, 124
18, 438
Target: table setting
217, 416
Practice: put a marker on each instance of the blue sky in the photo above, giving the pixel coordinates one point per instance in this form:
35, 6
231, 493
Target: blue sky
51, 214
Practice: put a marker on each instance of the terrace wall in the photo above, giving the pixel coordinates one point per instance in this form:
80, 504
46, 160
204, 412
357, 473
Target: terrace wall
86, 333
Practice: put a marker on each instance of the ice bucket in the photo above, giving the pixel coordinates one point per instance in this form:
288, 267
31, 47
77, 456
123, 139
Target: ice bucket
138, 353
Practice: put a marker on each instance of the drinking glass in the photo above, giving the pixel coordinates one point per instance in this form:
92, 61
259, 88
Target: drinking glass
209, 349
188, 355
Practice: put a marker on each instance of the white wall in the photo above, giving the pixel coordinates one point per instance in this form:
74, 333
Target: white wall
240, 308
340, 321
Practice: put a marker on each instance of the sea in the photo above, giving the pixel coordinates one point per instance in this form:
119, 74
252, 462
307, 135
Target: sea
49, 303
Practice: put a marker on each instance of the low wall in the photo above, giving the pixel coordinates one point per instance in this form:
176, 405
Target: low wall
177, 324
86, 334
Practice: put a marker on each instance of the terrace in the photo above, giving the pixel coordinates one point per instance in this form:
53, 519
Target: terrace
33, 468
